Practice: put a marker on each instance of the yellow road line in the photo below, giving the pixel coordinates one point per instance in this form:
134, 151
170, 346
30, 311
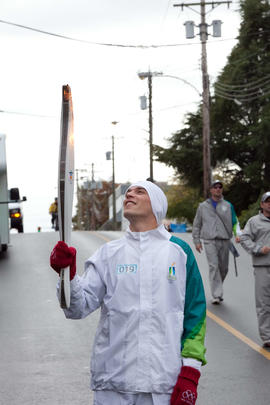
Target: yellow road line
239, 335
102, 237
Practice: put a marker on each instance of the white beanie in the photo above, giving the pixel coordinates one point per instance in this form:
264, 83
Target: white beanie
158, 199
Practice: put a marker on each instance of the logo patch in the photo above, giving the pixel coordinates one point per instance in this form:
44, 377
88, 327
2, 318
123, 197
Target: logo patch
189, 397
70, 176
171, 275
126, 268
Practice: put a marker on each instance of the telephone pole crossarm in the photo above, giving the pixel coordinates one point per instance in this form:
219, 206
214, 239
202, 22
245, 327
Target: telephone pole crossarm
207, 3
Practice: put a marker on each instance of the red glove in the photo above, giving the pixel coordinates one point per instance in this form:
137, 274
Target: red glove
63, 256
185, 390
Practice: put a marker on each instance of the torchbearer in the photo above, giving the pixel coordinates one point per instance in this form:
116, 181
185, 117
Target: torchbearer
149, 344
65, 187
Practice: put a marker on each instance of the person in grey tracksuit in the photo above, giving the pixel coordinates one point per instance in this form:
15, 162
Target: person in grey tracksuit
255, 239
215, 222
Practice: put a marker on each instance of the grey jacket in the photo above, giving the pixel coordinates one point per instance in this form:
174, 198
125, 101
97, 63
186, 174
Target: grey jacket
207, 225
255, 235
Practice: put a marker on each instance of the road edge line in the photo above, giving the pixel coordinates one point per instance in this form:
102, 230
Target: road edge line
238, 334
103, 237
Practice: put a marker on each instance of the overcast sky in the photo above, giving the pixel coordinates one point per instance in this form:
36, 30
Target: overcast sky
103, 76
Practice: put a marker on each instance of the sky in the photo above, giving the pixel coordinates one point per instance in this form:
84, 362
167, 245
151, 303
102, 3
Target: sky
99, 47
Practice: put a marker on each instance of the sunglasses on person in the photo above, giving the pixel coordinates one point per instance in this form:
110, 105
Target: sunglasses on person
218, 186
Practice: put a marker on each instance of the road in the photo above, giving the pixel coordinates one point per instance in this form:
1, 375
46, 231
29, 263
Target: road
44, 358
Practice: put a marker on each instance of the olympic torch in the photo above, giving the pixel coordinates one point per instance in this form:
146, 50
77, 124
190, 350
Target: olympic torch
66, 186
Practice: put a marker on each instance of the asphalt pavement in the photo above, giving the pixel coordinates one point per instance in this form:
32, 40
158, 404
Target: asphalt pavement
44, 358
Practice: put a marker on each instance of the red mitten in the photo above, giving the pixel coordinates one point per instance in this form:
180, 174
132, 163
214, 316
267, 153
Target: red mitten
185, 390
63, 256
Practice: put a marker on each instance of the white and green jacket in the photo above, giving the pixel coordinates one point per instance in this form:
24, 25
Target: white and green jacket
153, 311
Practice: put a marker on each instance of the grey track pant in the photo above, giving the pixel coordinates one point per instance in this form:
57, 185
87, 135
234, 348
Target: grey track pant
117, 398
217, 253
262, 299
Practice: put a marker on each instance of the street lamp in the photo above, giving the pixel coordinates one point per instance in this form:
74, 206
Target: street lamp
184, 81
148, 75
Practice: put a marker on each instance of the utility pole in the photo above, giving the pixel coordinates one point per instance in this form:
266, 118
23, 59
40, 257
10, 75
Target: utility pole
150, 127
149, 75
78, 200
113, 187
92, 199
205, 106
92, 172
110, 156
207, 175
113, 183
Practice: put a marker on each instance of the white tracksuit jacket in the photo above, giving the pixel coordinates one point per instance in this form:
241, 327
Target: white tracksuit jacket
152, 318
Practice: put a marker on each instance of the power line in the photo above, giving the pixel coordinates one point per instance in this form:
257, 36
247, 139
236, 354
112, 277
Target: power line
166, 13
241, 87
104, 43
121, 45
259, 93
243, 98
28, 114
176, 106
246, 92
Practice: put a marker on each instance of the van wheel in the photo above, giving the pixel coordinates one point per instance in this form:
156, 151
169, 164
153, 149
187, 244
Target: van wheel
20, 228
4, 248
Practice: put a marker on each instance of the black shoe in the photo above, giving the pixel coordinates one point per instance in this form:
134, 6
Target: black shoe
216, 301
267, 344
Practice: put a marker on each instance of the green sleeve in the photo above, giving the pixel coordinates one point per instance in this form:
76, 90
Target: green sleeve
192, 342
234, 219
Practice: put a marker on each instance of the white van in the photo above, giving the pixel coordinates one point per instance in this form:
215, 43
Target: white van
10, 207
4, 214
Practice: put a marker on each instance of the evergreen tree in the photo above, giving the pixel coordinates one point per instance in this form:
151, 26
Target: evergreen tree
185, 153
239, 115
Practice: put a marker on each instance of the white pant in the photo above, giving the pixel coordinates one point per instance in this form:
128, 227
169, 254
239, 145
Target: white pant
118, 398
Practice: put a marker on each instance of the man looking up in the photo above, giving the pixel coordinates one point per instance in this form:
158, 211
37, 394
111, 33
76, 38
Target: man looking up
215, 222
149, 344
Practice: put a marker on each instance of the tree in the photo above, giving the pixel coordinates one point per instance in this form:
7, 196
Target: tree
239, 115
185, 152
183, 202
240, 112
